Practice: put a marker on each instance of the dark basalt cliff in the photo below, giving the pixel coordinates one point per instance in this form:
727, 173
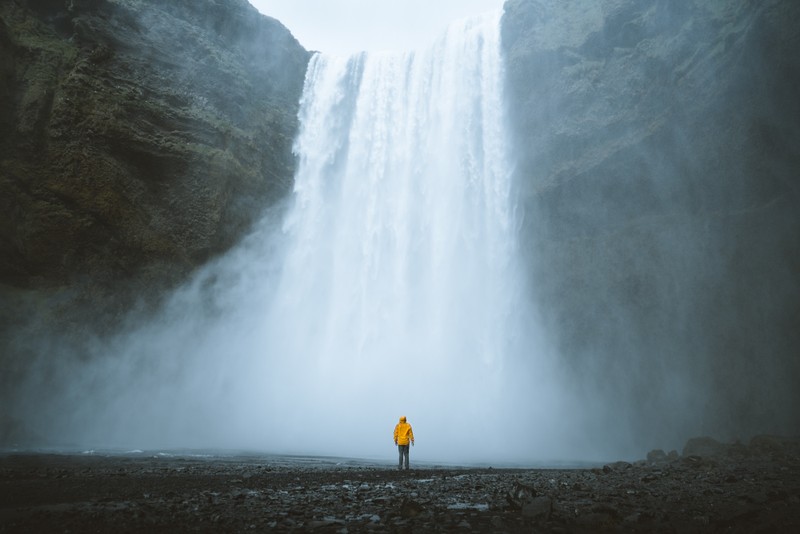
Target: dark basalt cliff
658, 164
138, 138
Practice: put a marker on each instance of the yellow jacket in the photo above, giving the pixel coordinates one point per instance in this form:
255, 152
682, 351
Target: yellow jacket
403, 433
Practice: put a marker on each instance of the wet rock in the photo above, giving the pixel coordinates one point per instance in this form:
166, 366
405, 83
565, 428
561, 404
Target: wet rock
410, 508
650, 477
657, 456
596, 520
324, 523
753, 493
620, 466
538, 508
519, 495
719, 100
704, 447
774, 446
635, 517
142, 114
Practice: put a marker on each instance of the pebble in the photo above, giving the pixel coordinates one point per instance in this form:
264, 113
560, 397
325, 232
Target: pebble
751, 490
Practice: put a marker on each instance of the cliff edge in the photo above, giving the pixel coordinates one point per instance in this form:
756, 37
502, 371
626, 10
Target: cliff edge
138, 139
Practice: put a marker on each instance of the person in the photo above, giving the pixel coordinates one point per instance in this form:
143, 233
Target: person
403, 435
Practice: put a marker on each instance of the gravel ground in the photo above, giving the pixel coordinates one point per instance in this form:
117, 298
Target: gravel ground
709, 488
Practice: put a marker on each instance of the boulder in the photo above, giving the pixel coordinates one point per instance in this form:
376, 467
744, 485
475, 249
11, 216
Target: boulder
520, 494
705, 447
538, 508
657, 456
410, 508
774, 445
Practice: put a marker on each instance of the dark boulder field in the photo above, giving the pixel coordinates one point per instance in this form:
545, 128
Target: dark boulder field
710, 487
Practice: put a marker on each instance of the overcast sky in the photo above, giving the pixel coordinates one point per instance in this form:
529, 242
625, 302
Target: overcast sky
346, 26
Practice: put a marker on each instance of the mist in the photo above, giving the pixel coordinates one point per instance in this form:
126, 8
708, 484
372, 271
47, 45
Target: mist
387, 284
661, 210
526, 246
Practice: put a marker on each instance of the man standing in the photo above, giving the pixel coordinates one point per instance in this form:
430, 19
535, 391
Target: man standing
402, 436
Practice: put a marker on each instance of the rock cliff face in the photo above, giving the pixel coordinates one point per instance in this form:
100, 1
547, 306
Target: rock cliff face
138, 138
658, 167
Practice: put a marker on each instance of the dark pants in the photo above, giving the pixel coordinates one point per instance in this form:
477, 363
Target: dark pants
403, 454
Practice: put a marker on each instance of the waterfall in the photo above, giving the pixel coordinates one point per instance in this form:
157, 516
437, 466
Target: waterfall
400, 293
387, 285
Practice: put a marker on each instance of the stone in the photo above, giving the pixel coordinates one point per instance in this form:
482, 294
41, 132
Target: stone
656, 456
295, 497
704, 447
538, 508
410, 508
595, 520
620, 466
765, 444
520, 494
324, 523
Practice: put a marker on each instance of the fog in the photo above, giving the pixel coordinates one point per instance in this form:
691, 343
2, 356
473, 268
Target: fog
387, 284
518, 299
662, 212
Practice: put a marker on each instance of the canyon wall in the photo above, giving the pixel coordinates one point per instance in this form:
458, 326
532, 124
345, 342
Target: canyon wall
658, 166
138, 139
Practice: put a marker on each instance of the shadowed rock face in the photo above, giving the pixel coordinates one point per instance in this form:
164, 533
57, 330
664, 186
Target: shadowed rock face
138, 138
658, 167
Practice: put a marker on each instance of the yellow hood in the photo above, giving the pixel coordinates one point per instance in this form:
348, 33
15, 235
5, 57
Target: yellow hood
403, 433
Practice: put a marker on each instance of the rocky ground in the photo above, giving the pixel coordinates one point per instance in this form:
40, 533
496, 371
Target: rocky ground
711, 487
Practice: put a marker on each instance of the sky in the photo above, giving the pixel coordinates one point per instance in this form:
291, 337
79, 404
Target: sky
342, 27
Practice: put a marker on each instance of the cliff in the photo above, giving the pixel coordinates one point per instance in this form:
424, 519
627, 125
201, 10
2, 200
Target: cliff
138, 139
658, 170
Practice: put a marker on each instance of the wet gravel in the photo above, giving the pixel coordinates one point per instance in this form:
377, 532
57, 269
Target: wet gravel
733, 489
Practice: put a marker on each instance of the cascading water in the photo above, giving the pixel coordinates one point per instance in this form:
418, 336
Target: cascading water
391, 287
401, 292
